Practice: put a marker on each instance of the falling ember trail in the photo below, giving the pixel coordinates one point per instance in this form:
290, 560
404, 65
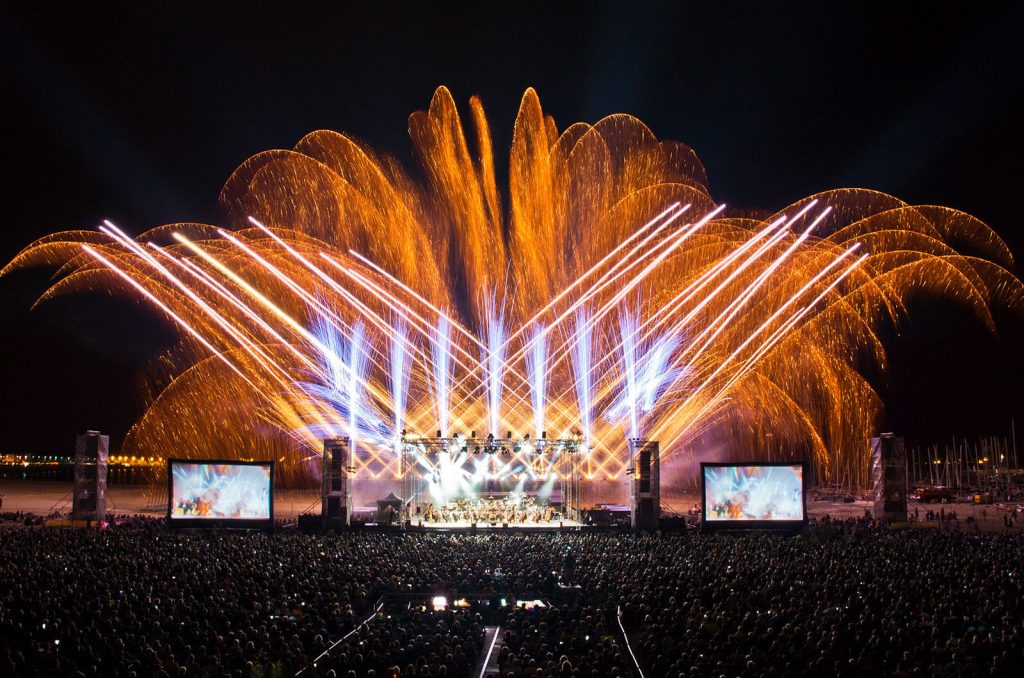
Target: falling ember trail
536, 367
494, 364
442, 373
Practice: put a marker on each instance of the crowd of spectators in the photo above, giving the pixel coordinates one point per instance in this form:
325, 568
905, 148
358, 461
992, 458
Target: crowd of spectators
832, 602
842, 598
575, 639
409, 642
21, 517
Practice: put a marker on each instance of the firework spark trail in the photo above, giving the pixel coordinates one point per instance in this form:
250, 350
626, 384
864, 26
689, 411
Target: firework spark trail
635, 255
400, 374
581, 364
630, 325
796, 317
277, 371
656, 373
673, 243
226, 295
494, 362
331, 393
645, 373
604, 281
469, 371
376, 319
356, 373
536, 371
718, 325
297, 327
276, 310
779, 234
316, 413
630, 391
677, 302
357, 352
614, 274
442, 372
119, 236
246, 310
689, 292
770, 342
763, 349
171, 314
578, 281
628, 343
438, 348
270, 366
676, 211
328, 315
409, 315
429, 333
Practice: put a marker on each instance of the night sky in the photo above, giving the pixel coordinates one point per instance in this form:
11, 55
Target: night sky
138, 114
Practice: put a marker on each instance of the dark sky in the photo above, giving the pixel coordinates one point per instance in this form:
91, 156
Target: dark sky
138, 113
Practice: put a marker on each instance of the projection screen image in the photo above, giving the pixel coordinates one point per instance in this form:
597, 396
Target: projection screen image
219, 491
753, 492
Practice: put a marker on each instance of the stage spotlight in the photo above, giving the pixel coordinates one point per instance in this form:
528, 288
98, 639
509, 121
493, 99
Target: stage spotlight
509, 436
438, 433
472, 434
544, 435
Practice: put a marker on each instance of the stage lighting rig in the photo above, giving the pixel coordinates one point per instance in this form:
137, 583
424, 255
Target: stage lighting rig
492, 445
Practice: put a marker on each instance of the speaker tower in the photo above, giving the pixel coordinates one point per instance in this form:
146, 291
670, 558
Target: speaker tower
336, 509
889, 476
645, 485
89, 498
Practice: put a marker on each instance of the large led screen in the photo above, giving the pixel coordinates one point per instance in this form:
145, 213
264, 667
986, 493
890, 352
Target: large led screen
203, 492
753, 494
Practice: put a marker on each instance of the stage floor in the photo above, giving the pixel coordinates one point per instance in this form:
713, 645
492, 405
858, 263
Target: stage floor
465, 525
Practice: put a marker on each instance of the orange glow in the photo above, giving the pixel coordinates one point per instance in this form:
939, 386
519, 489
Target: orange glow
773, 313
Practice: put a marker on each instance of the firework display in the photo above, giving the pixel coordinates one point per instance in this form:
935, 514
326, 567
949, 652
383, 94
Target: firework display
605, 296
753, 492
220, 491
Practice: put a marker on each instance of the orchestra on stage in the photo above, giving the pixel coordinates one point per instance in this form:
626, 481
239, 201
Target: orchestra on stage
513, 509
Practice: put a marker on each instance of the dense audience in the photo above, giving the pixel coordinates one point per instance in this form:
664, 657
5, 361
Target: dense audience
841, 598
21, 517
570, 640
409, 643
